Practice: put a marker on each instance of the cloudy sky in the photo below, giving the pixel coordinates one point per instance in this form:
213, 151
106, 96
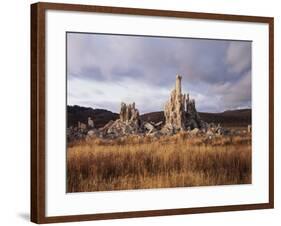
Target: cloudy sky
105, 70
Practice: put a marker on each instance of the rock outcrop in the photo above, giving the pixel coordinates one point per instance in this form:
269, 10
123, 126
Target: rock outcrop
128, 123
90, 123
129, 113
180, 112
174, 109
192, 118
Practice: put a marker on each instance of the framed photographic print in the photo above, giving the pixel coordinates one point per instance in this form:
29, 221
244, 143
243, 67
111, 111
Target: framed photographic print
142, 112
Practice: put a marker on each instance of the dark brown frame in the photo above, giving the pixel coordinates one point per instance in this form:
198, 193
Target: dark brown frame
38, 22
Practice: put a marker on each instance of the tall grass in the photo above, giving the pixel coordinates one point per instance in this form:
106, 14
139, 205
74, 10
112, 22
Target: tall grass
177, 161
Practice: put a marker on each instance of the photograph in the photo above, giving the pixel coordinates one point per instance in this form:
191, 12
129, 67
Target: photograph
151, 112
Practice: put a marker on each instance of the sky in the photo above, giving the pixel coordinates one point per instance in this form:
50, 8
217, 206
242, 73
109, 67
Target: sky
104, 70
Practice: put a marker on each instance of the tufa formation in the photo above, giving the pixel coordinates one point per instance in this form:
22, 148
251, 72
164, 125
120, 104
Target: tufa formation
180, 112
128, 123
180, 115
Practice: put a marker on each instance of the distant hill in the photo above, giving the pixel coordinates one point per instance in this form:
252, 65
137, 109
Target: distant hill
101, 116
241, 117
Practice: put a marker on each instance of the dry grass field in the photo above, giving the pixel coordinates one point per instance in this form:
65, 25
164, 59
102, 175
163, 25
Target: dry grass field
168, 161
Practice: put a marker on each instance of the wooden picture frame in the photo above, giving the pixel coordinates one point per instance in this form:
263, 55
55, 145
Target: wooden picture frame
38, 109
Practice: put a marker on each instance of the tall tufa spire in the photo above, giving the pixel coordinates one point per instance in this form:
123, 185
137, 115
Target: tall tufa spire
180, 112
178, 85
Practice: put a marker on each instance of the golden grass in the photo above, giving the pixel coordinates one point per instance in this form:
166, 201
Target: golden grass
176, 161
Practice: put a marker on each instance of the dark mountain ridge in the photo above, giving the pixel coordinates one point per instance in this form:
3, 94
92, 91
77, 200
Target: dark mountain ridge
99, 116
241, 117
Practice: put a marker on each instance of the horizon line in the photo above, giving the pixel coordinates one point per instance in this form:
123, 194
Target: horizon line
236, 109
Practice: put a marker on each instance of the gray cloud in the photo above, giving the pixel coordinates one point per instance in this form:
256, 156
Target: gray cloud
216, 72
238, 57
88, 73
